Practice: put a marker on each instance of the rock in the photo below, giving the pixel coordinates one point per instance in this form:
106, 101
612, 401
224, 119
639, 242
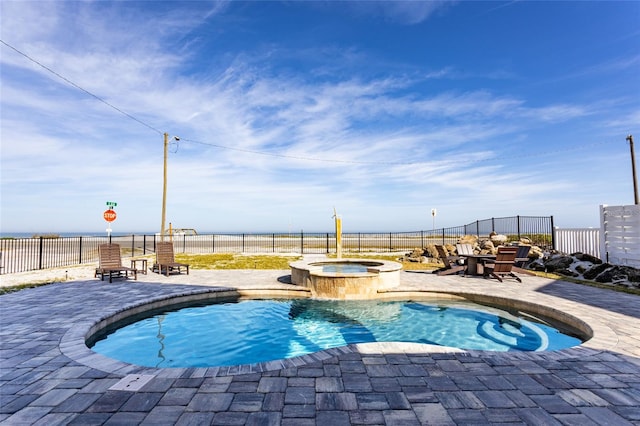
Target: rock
558, 263
580, 269
606, 276
498, 239
487, 247
619, 274
567, 273
416, 253
535, 253
469, 239
593, 272
587, 258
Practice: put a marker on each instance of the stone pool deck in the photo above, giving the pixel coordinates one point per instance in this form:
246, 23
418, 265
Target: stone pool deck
49, 377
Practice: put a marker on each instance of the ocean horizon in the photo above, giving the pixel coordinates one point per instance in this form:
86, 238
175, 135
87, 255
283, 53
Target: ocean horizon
149, 233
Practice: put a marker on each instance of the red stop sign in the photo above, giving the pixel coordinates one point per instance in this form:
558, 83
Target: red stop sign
109, 215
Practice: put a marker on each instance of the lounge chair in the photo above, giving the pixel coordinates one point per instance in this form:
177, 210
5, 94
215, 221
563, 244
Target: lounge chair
502, 265
110, 263
451, 265
165, 259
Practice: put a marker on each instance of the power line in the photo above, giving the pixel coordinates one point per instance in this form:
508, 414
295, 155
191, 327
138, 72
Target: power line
81, 88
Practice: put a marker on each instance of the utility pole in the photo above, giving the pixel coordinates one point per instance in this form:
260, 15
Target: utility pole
164, 187
164, 183
633, 170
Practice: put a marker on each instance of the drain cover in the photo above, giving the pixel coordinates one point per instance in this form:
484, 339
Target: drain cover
132, 382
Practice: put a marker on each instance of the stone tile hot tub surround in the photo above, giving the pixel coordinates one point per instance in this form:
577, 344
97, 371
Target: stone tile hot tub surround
380, 275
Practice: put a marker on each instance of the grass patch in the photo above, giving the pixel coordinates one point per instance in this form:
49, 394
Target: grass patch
236, 261
14, 288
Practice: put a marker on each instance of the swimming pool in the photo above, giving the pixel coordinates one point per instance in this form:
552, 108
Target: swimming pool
252, 331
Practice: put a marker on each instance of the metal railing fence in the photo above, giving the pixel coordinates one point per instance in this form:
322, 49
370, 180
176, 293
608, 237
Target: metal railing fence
25, 254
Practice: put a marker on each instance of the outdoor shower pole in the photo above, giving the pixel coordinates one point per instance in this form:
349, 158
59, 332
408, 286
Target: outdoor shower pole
633, 170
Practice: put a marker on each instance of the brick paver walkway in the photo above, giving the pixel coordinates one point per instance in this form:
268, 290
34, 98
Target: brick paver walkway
49, 377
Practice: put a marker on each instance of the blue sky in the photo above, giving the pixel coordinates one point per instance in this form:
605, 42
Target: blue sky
287, 110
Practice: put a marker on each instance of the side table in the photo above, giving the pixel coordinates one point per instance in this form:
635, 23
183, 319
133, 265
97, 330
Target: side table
134, 265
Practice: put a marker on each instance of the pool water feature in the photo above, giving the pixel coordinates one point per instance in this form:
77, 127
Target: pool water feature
252, 331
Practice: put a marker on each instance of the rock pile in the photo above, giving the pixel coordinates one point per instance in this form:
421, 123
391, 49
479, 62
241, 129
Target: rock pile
576, 265
586, 267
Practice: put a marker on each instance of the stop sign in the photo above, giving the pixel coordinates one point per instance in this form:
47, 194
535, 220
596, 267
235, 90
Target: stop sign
109, 215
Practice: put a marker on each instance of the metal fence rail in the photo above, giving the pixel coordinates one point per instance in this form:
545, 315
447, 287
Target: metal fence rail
25, 254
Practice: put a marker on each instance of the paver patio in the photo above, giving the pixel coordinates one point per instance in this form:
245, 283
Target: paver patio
48, 376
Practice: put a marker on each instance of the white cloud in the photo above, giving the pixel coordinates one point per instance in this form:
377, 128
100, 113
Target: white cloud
348, 140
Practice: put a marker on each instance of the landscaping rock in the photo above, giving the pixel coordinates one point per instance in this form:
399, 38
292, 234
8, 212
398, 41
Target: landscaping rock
592, 273
558, 263
587, 258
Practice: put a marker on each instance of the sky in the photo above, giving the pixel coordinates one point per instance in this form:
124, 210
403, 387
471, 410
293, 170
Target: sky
287, 111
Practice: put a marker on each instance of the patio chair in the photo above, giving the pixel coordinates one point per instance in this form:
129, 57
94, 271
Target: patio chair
451, 265
521, 259
110, 263
502, 266
165, 259
464, 249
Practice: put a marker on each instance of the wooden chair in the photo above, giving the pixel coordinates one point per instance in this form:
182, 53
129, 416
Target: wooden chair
521, 259
464, 249
451, 265
165, 259
110, 263
502, 265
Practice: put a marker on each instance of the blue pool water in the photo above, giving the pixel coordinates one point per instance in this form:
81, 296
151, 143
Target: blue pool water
251, 331
348, 268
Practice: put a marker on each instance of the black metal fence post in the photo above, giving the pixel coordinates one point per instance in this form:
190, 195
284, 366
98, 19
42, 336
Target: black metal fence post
553, 236
40, 254
80, 258
301, 242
